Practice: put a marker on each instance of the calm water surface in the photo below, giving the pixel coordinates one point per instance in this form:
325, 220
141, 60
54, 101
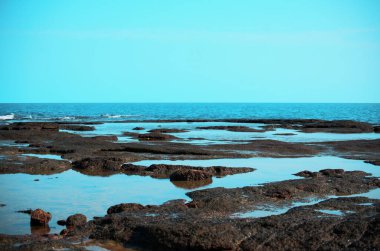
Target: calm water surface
72, 192
142, 111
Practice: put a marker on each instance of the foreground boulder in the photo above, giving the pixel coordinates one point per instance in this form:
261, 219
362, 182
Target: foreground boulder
39, 217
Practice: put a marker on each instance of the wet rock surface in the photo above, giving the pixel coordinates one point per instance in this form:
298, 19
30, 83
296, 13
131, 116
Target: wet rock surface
32, 165
206, 222
189, 175
167, 130
155, 136
210, 221
231, 128
39, 217
165, 171
76, 220
76, 127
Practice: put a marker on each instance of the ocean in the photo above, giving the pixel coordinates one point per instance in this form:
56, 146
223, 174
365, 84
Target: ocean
146, 111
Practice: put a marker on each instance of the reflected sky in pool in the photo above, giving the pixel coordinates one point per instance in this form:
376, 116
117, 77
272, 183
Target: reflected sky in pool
221, 136
72, 192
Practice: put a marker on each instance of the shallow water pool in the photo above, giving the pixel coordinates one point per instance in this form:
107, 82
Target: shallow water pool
71, 192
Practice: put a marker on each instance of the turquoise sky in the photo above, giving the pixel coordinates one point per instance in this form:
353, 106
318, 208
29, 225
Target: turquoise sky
190, 51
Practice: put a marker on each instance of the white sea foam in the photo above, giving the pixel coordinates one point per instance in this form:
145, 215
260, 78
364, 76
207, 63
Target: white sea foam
112, 116
67, 118
7, 117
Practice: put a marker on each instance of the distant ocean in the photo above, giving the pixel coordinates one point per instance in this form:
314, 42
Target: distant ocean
144, 111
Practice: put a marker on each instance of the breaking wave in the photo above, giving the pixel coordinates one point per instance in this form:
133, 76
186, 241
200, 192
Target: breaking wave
7, 117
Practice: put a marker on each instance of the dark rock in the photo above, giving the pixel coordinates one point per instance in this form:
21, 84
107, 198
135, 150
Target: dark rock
155, 136
308, 174
76, 127
64, 232
39, 217
376, 129
138, 128
337, 126
61, 222
279, 194
167, 130
33, 165
189, 175
3, 205
27, 211
106, 138
373, 162
164, 170
285, 134
231, 128
76, 220
41, 230
34, 126
98, 164
36, 180
125, 207
332, 172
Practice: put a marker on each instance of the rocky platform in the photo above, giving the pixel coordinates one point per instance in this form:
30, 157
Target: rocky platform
212, 219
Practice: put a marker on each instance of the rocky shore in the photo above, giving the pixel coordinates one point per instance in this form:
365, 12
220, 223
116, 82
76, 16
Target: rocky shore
214, 218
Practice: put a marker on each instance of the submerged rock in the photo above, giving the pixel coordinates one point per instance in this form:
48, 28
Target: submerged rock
39, 217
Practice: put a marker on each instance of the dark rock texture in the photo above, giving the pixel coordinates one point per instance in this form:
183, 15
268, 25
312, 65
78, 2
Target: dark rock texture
167, 130
155, 136
190, 175
231, 128
206, 222
33, 126
165, 171
39, 217
76, 220
76, 127
338, 126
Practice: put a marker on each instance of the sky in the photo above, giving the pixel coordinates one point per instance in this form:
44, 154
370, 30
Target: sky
190, 51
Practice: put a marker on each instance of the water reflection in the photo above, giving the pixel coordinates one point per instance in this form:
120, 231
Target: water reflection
191, 184
72, 192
